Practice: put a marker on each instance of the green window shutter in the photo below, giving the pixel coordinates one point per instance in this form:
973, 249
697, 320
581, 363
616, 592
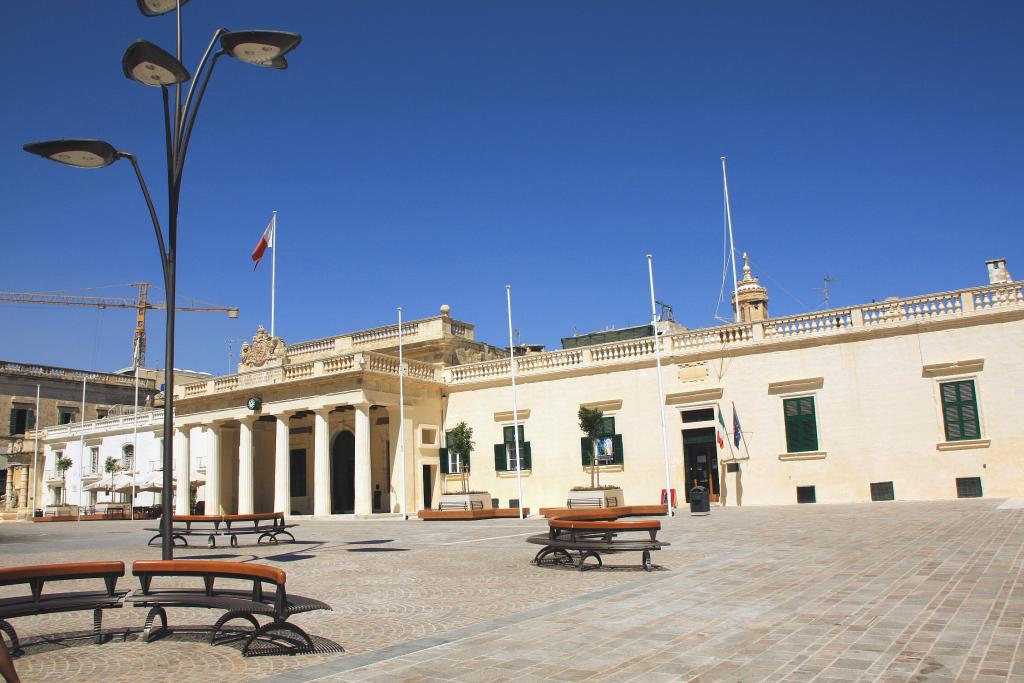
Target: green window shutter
527, 459
31, 420
617, 452
14, 421
607, 426
801, 428
443, 456
587, 450
510, 435
500, 462
960, 410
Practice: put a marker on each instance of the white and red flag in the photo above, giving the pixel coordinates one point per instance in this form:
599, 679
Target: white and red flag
266, 241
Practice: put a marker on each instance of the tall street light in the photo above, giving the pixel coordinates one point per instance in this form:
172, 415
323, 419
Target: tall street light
149, 64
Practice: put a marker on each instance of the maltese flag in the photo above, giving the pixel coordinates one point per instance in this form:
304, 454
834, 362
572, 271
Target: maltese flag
266, 241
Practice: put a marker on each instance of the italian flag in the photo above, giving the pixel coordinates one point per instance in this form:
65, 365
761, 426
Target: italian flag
720, 432
266, 241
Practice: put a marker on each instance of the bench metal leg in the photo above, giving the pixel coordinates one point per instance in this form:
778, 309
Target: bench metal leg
154, 538
284, 533
581, 565
211, 541
647, 560
147, 631
560, 556
234, 541
15, 647
229, 637
297, 641
269, 535
97, 626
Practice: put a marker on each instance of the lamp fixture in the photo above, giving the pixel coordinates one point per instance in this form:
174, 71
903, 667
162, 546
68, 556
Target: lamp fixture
151, 65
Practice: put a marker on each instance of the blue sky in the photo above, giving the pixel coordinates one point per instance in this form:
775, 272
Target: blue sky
422, 153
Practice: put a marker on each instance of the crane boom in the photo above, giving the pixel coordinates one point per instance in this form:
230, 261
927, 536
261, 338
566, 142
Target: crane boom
141, 304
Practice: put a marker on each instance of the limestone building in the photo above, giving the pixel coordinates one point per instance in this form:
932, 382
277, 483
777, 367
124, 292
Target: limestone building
907, 398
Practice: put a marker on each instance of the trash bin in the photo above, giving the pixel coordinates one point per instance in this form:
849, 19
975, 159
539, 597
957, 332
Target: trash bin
699, 503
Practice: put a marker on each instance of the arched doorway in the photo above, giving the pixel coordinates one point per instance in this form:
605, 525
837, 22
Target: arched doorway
343, 473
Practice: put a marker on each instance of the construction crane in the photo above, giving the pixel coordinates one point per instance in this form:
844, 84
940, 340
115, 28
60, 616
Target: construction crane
141, 304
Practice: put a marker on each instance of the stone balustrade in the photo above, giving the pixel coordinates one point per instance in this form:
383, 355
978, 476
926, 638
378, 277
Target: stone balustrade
144, 418
352, 362
50, 372
894, 311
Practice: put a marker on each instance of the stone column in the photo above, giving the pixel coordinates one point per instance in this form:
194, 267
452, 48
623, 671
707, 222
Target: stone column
245, 481
321, 463
282, 467
9, 488
182, 499
363, 475
213, 470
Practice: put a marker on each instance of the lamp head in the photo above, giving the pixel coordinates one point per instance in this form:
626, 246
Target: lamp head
151, 65
261, 48
80, 153
154, 8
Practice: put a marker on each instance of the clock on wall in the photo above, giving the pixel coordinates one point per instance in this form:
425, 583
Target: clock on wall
253, 403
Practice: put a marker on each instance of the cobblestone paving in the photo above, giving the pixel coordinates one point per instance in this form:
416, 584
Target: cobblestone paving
884, 591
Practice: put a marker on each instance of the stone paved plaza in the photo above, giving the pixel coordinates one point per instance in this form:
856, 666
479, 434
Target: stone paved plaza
899, 591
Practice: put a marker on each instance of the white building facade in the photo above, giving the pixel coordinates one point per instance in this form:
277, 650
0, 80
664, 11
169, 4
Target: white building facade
910, 399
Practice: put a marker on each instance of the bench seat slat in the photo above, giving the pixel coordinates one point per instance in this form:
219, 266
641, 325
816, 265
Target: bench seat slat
59, 602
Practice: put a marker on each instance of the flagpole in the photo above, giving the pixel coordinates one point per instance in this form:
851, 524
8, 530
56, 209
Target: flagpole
661, 388
732, 247
273, 270
35, 460
401, 411
135, 430
515, 408
81, 451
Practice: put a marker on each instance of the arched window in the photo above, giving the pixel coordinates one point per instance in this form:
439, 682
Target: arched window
128, 457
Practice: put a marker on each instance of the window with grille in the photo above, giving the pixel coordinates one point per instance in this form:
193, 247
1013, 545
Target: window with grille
968, 487
882, 490
801, 424
806, 494
960, 410
699, 415
128, 457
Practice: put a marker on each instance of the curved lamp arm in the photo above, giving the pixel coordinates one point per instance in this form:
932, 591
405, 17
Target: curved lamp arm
149, 204
183, 111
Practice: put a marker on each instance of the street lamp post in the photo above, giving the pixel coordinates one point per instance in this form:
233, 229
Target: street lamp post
147, 63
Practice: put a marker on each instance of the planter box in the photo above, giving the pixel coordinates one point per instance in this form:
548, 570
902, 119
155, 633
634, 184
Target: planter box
603, 498
465, 501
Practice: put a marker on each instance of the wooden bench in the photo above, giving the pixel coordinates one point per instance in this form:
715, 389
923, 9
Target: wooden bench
237, 604
589, 536
269, 525
37, 576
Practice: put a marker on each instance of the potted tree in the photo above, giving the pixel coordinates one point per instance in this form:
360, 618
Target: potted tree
595, 495
63, 464
459, 444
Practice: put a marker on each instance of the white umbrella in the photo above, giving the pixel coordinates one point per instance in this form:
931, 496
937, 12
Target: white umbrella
121, 483
153, 481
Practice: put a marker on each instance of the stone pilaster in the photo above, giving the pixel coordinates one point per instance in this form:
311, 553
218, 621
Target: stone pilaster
363, 474
321, 463
245, 465
282, 466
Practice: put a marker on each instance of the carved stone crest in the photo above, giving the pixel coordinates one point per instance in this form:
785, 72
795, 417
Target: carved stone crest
261, 350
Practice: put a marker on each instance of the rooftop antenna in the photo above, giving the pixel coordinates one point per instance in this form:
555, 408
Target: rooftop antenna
231, 348
825, 293
664, 311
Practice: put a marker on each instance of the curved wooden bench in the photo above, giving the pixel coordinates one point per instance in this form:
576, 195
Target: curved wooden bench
589, 536
236, 603
269, 525
37, 576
